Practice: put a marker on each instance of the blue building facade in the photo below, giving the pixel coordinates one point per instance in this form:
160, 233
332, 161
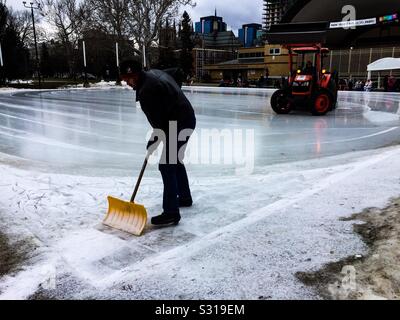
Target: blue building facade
210, 24
248, 34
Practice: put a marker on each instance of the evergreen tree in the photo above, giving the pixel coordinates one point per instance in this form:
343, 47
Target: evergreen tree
15, 55
46, 68
166, 55
187, 44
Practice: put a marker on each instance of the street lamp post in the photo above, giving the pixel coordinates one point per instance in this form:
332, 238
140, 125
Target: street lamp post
31, 6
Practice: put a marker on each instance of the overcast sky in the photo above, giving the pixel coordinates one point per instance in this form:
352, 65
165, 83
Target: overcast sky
16, 4
235, 12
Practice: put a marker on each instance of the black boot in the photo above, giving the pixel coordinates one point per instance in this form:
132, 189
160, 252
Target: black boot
185, 202
166, 219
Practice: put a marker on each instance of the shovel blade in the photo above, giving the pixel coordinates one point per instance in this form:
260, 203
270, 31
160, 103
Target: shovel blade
126, 216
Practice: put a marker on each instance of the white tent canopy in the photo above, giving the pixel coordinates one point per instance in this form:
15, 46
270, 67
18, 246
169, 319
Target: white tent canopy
384, 64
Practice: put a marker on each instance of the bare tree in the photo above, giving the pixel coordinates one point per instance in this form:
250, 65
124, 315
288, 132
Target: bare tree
68, 17
137, 20
110, 16
146, 17
23, 24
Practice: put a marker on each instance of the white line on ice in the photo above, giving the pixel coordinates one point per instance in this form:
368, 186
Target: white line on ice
245, 112
52, 142
46, 124
369, 136
67, 114
342, 140
357, 138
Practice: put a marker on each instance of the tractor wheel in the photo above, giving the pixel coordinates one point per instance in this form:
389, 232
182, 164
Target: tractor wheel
281, 102
321, 102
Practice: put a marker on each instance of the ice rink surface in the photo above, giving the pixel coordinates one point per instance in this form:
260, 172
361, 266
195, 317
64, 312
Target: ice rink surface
62, 152
84, 130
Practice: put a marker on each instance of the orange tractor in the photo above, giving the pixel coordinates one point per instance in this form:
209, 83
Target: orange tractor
309, 83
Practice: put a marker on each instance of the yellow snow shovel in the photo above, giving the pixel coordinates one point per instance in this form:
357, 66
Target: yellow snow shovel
127, 216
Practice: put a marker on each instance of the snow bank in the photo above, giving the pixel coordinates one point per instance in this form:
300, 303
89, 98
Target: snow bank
100, 85
7, 90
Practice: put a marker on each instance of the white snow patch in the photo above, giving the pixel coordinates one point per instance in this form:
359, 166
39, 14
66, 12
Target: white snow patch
381, 117
281, 213
25, 283
7, 90
83, 248
101, 85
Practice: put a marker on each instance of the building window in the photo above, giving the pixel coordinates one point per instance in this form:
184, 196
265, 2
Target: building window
251, 55
275, 51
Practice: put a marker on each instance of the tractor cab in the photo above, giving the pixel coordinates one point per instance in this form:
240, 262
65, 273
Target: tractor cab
307, 68
309, 82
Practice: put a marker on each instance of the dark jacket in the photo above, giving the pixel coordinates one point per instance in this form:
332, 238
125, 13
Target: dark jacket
177, 74
162, 100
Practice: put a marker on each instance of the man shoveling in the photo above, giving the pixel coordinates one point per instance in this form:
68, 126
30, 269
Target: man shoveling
170, 112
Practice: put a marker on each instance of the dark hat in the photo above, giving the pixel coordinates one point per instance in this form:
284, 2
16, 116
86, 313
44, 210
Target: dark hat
131, 66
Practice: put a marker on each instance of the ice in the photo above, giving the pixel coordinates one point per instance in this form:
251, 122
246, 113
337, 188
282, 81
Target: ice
97, 130
62, 152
